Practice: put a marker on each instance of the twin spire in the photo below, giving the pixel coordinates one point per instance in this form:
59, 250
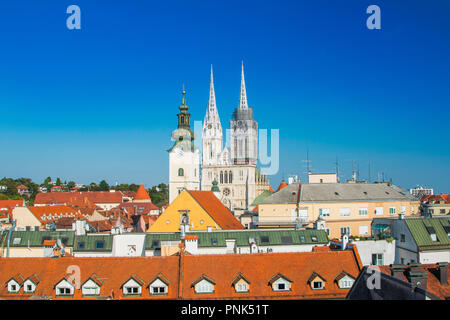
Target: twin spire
211, 113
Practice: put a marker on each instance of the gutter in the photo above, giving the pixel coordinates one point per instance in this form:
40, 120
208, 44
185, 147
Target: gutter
9, 237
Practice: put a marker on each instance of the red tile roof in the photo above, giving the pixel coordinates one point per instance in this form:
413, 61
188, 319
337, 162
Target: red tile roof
141, 194
64, 197
53, 211
433, 282
141, 207
436, 197
258, 269
11, 203
215, 208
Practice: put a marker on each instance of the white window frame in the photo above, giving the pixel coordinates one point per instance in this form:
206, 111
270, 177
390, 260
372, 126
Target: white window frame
379, 211
324, 212
392, 210
242, 287
344, 212
158, 284
363, 211
317, 281
204, 286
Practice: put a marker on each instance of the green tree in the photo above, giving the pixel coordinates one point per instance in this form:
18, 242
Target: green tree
58, 181
103, 186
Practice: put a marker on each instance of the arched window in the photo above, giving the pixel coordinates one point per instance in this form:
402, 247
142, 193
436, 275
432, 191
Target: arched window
225, 177
180, 172
182, 119
221, 176
230, 180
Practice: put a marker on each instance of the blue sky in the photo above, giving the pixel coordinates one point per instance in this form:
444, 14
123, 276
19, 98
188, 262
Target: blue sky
101, 102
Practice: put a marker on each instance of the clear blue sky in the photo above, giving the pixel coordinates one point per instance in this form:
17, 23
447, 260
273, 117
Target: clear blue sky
101, 102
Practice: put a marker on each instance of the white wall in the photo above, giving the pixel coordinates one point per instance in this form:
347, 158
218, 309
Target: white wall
122, 243
369, 247
434, 256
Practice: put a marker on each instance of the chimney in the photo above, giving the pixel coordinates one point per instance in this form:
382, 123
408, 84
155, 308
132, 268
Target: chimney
443, 277
397, 270
417, 277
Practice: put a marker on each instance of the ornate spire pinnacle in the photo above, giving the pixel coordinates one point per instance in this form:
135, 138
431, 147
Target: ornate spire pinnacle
212, 115
183, 100
243, 97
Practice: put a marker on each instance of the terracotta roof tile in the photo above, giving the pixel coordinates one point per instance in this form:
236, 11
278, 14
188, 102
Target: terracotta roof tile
212, 205
64, 197
141, 194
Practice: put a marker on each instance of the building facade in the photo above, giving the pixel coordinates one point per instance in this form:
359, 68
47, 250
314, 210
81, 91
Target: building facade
184, 156
234, 166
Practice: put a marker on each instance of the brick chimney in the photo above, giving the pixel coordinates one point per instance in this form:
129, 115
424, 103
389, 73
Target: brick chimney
416, 276
443, 277
397, 270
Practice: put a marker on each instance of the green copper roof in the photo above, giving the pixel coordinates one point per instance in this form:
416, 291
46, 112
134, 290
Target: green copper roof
261, 197
35, 238
97, 242
153, 240
422, 237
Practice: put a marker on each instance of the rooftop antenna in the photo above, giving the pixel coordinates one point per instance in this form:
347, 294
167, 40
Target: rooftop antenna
308, 168
337, 168
369, 173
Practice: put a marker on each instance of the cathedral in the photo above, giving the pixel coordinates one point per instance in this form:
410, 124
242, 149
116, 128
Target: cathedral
230, 171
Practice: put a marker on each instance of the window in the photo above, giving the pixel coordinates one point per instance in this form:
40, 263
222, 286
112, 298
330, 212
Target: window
313, 238
447, 230
346, 283
80, 245
99, 244
180, 172
442, 211
302, 238
204, 286
345, 230
432, 233
377, 259
403, 209
132, 290
286, 239
344, 211
363, 211
364, 230
402, 238
13, 288
158, 290
264, 240
324, 212
63, 291
214, 241
230, 177
281, 286
392, 210
379, 211
317, 285
221, 176
242, 287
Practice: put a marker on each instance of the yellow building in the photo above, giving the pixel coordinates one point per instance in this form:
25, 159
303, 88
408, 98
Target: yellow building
438, 204
343, 207
197, 210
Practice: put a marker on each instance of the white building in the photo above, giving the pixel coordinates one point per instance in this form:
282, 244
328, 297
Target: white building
233, 166
184, 156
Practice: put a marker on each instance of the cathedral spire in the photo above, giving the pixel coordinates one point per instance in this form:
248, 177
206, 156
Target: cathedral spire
212, 113
243, 97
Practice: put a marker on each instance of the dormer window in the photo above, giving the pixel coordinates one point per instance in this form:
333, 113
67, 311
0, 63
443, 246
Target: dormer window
203, 284
345, 280
91, 287
159, 286
64, 287
133, 286
29, 285
432, 233
280, 283
316, 281
241, 283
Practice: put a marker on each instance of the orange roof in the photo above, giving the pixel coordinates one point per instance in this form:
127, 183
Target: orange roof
64, 197
47, 243
437, 197
270, 188
11, 203
212, 205
22, 187
282, 185
142, 194
433, 282
48, 211
258, 269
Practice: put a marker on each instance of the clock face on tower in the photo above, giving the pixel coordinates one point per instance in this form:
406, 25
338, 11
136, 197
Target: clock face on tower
209, 126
